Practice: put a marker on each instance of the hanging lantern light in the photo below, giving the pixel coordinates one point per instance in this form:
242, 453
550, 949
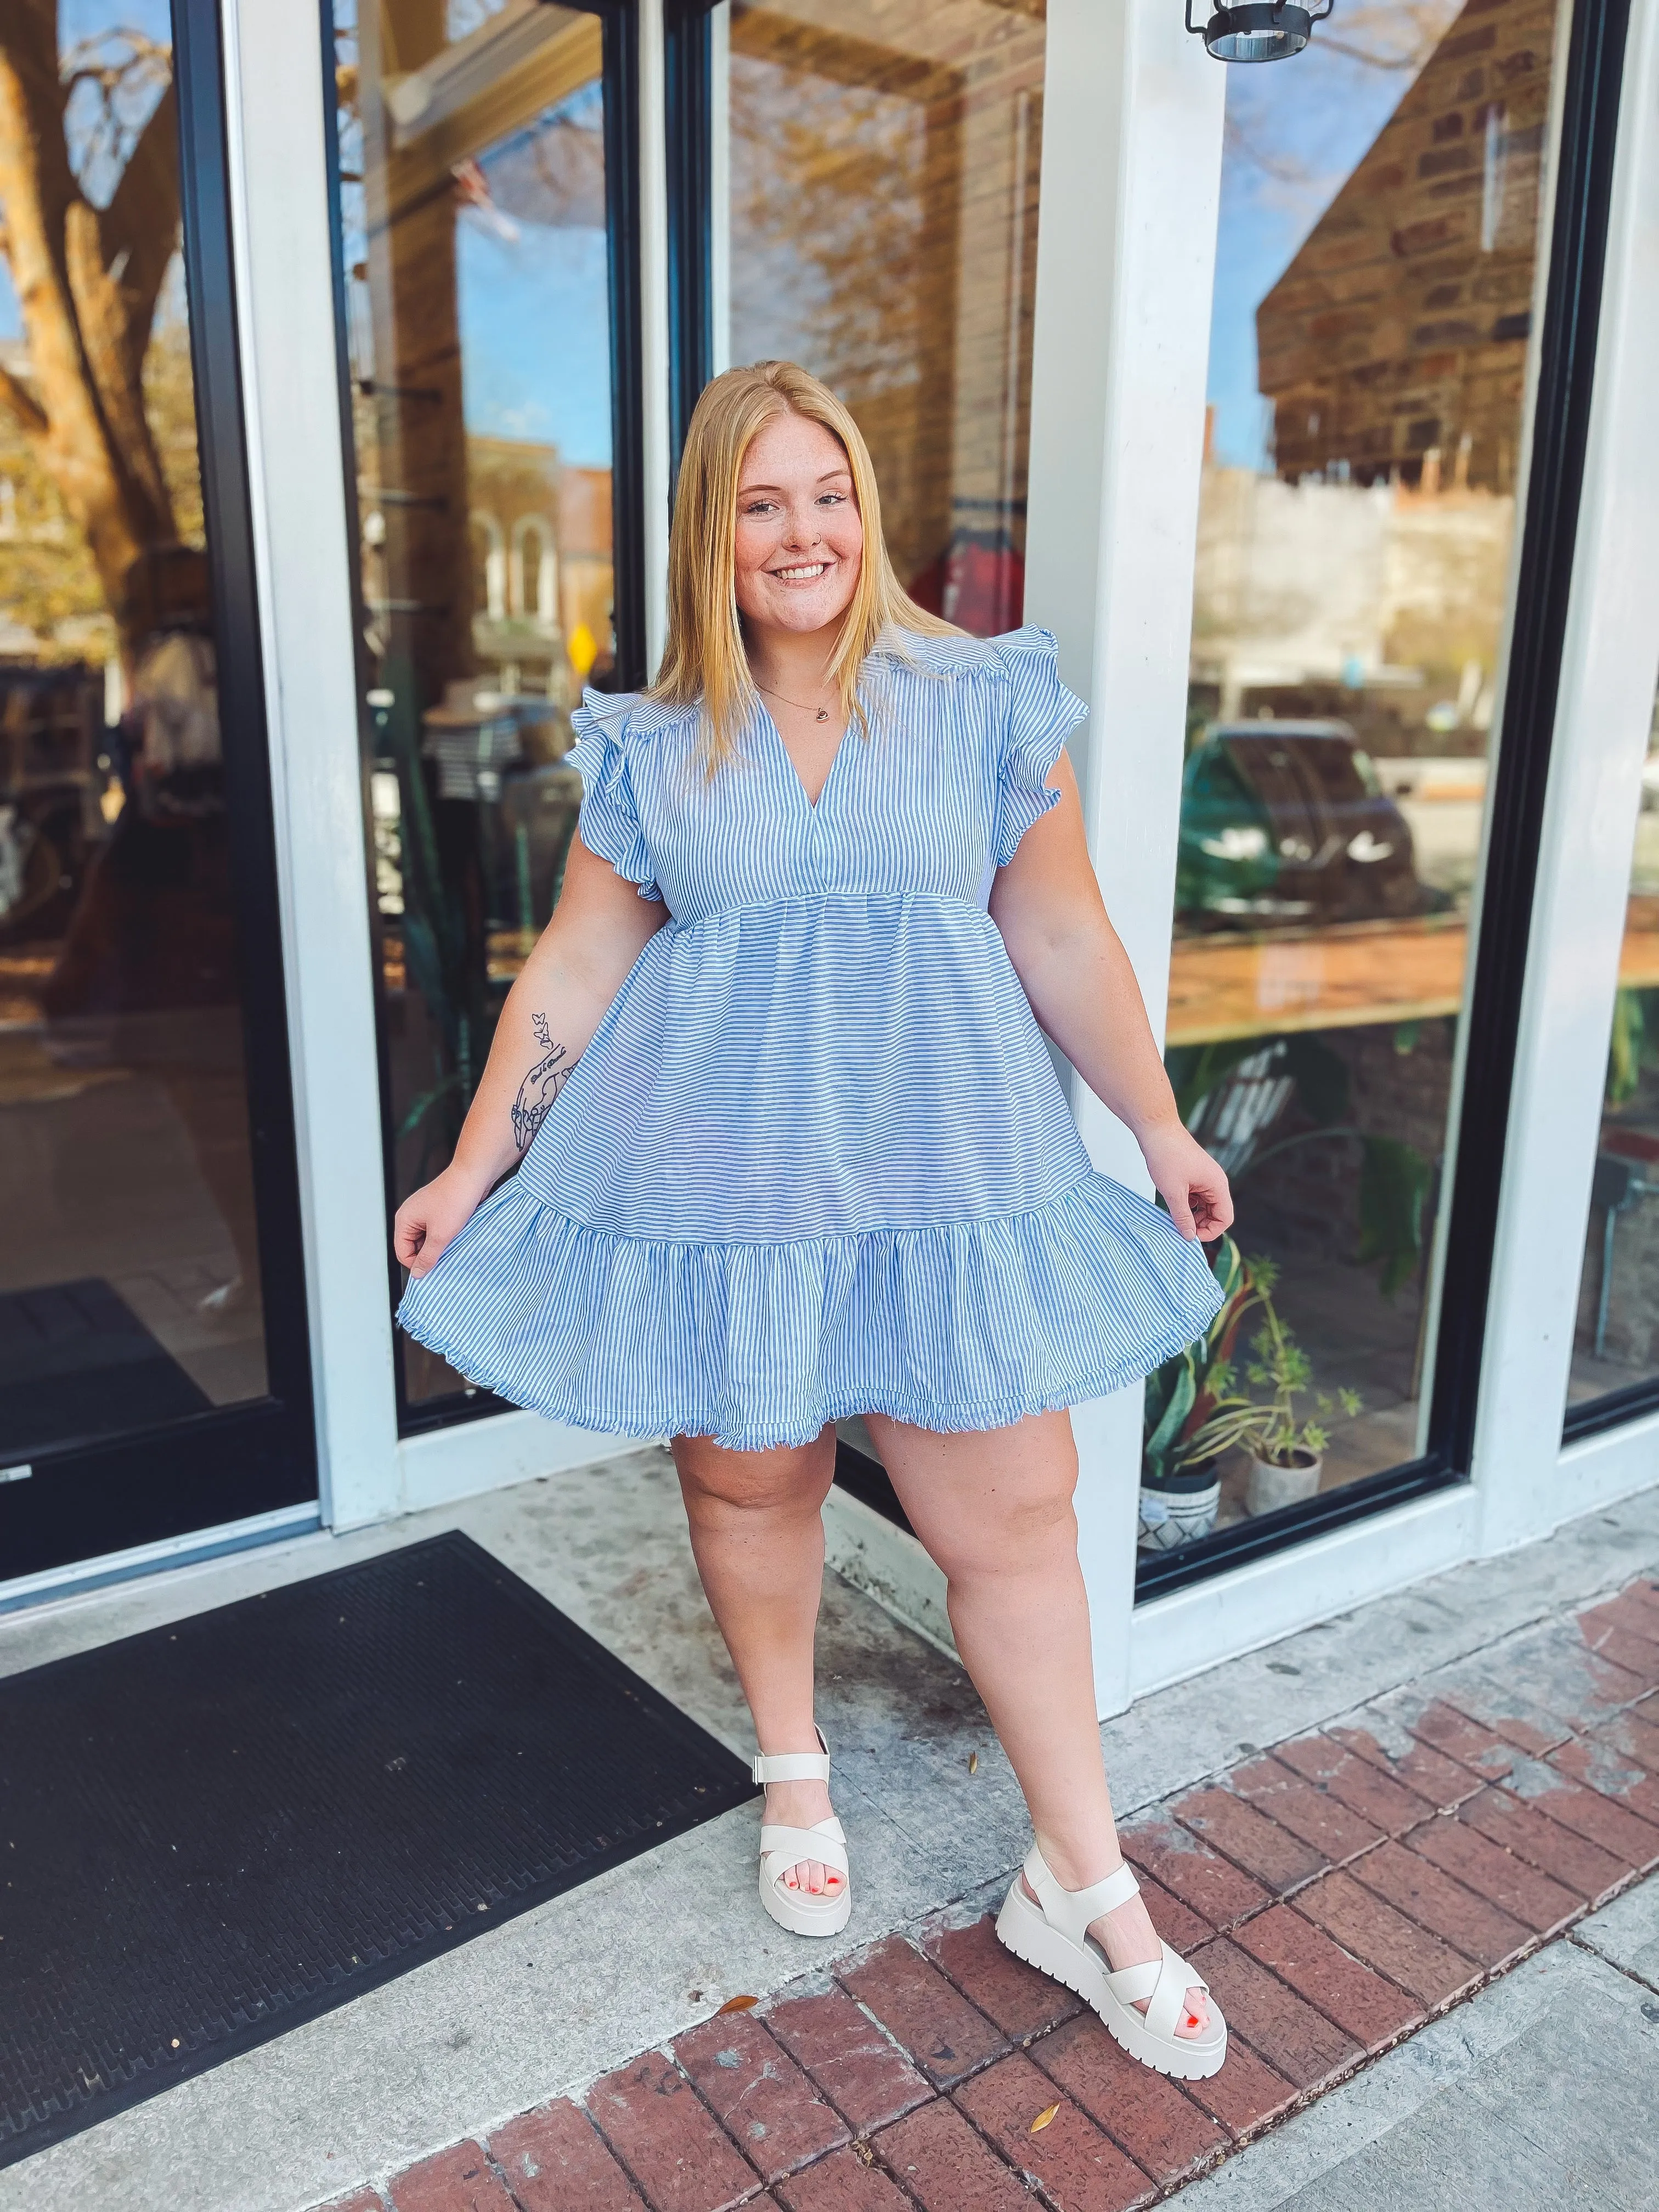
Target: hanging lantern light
1258, 30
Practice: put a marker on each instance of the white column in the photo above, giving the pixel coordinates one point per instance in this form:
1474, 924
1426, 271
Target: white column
285, 303
1126, 245
1607, 678
654, 323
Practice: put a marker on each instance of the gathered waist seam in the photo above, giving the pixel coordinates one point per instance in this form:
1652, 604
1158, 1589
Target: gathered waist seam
677, 928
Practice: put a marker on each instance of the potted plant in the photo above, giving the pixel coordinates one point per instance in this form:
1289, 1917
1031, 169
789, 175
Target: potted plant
1286, 1450
1180, 1489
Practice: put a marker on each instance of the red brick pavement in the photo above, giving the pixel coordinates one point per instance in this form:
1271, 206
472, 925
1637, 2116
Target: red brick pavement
1336, 1892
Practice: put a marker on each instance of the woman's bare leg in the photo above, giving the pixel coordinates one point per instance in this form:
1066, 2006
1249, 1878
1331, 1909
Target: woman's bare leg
994, 1510
757, 1537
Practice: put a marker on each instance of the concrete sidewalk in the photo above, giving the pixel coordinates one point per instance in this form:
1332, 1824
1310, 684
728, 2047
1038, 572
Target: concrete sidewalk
1319, 1883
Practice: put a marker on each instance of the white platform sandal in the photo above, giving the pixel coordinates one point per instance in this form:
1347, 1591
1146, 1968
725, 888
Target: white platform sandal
1052, 1936
780, 1848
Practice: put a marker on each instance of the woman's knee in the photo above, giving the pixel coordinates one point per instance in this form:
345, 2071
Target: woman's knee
1012, 1535
786, 1477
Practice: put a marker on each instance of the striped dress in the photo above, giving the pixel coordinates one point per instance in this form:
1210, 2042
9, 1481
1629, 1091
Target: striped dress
816, 1161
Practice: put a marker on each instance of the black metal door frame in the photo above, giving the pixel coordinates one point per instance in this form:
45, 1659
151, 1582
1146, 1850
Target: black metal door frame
230, 1464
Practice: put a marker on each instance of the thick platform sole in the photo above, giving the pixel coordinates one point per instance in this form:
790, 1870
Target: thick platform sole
1023, 1929
801, 1919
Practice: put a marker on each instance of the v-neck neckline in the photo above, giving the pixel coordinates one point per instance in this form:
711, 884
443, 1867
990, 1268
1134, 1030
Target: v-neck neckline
812, 805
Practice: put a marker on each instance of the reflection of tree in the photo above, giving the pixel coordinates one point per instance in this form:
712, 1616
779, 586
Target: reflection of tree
88, 276
825, 198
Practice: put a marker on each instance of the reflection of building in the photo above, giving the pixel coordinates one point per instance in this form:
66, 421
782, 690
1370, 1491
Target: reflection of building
1392, 595
541, 561
1395, 343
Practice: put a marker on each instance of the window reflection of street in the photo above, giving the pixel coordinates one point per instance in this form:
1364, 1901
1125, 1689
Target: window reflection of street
473, 220
129, 1275
1381, 204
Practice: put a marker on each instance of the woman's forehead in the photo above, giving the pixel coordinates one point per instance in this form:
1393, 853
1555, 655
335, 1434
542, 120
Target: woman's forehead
794, 445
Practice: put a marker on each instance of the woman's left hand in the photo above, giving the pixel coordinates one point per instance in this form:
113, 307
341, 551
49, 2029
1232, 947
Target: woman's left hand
1188, 1182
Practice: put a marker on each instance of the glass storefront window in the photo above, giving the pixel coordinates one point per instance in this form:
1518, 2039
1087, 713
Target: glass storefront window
474, 245
1616, 1344
884, 193
130, 1255
1381, 206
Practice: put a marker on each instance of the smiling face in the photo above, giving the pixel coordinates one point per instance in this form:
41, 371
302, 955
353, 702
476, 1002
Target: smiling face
800, 540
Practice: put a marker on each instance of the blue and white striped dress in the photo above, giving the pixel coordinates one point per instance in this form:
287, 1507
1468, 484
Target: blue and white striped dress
816, 1161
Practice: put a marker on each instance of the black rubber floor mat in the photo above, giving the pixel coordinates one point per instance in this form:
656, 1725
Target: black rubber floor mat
211, 1833
77, 1361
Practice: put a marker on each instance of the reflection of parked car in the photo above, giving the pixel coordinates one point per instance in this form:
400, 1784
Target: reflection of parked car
51, 730
1286, 822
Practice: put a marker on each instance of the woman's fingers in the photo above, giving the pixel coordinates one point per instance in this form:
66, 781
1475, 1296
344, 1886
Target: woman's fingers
1212, 1205
1181, 1211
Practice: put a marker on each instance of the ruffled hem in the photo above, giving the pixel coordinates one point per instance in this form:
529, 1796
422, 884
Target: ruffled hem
966, 1325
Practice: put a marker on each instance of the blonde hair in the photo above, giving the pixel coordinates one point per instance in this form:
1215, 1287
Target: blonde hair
705, 663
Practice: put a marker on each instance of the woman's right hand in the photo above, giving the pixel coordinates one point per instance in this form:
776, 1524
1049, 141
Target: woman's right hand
431, 1218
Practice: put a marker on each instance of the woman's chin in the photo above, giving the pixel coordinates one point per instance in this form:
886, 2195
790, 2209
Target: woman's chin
809, 612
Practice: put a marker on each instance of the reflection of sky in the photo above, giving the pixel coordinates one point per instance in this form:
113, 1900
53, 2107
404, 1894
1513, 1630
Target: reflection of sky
535, 337
1295, 129
533, 292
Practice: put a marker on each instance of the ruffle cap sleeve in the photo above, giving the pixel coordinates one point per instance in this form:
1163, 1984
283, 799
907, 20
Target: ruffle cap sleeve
1042, 714
608, 822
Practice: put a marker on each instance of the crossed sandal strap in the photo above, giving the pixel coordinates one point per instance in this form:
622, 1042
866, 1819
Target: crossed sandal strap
793, 1846
1165, 1981
1071, 1910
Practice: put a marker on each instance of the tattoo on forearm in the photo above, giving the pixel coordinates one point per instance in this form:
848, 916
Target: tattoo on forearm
540, 1087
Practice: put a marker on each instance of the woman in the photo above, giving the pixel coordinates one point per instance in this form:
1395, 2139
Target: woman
793, 1149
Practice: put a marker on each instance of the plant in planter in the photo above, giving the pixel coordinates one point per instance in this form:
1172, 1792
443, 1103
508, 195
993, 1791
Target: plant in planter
1180, 1490
1287, 1448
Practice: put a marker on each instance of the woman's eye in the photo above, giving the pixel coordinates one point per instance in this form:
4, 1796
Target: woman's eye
759, 507
832, 499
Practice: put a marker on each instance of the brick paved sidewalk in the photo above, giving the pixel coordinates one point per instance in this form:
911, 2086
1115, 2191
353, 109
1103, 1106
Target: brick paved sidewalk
1335, 1892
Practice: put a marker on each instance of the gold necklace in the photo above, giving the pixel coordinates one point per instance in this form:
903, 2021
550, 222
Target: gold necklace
821, 714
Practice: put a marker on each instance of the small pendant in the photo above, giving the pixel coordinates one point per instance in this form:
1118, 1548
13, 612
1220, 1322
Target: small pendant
822, 714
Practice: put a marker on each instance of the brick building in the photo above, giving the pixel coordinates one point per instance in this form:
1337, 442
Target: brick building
1395, 343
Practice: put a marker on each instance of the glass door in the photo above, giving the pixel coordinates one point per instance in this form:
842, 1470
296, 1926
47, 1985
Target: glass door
153, 1372
489, 278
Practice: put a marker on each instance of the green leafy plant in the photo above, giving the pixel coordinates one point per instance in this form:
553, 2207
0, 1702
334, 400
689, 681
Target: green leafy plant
1195, 1408
1273, 1426
1181, 1394
1634, 1044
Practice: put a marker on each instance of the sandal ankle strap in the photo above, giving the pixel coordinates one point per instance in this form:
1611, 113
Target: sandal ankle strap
1071, 1910
792, 1765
